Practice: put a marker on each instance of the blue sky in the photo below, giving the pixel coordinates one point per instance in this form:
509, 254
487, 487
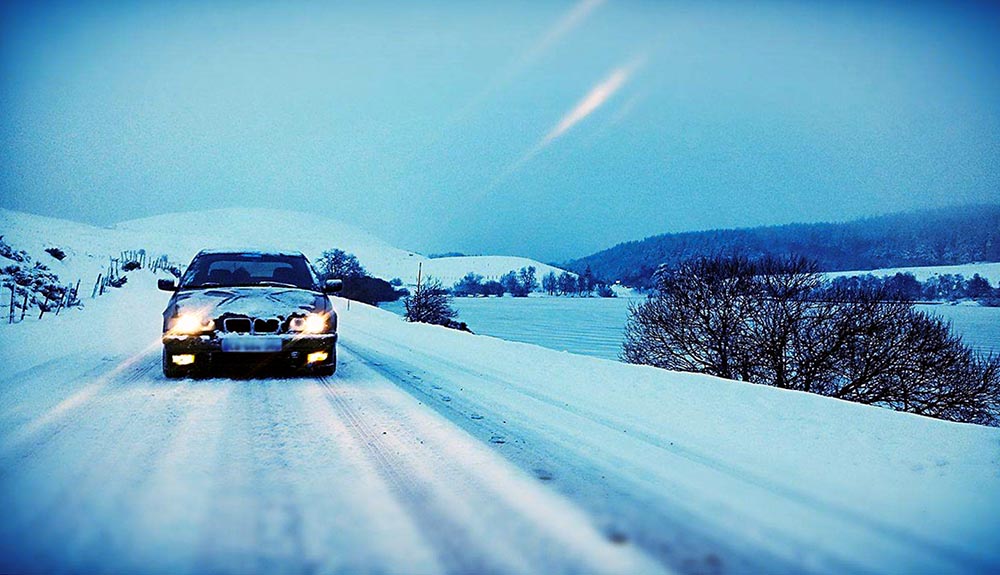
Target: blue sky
549, 129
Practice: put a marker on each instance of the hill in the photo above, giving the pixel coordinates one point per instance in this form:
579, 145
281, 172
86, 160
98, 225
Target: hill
181, 235
945, 236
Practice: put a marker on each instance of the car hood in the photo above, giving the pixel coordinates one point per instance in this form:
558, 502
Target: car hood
250, 301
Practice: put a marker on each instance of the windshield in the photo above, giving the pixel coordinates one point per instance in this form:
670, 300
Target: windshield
249, 269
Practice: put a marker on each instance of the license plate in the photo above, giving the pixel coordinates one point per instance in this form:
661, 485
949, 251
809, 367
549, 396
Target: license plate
252, 344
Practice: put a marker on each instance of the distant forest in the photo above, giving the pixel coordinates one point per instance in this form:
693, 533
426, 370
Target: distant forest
944, 236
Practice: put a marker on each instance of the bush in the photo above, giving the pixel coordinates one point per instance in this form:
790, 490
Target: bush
358, 285
429, 303
33, 283
776, 322
369, 290
520, 283
494, 288
56, 253
566, 283
470, 285
131, 265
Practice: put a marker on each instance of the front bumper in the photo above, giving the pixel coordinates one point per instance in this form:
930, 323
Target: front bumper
207, 349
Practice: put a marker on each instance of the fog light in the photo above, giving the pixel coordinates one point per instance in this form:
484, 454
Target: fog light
183, 359
317, 356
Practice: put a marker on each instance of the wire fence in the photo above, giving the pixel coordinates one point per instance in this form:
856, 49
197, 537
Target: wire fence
28, 293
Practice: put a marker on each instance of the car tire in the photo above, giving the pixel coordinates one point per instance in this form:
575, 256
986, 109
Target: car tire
171, 371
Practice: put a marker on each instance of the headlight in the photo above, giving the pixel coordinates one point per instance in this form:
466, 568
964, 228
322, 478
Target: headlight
191, 323
311, 323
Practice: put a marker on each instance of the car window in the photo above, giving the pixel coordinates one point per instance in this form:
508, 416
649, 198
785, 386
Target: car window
248, 269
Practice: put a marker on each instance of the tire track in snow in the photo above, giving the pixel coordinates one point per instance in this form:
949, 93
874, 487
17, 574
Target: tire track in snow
255, 512
625, 513
503, 514
278, 526
450, 540
40, 431
405, 373
90, 515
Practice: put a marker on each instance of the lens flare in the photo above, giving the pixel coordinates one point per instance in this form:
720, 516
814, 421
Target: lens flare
594, 99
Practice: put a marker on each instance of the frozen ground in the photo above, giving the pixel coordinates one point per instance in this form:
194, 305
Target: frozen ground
435, 451
594, 326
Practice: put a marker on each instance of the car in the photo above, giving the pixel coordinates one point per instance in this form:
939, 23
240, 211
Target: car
248, 309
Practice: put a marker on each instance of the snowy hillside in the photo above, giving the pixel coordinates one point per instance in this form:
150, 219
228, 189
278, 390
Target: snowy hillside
988, 270
181, 235
450, 270
433, 451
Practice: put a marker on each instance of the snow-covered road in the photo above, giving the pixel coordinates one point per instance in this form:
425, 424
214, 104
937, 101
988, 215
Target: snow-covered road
119, 470
433, 451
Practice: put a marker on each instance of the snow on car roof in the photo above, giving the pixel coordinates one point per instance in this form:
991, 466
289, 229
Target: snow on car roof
260, 252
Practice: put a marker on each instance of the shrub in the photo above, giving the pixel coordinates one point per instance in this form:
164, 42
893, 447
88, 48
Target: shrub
494, 288
369, 290
470, 285
775, 322
429, 303
358, 285
520, 283
56, 253
604, 290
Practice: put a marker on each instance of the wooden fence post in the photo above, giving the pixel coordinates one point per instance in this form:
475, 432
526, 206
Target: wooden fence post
24, 306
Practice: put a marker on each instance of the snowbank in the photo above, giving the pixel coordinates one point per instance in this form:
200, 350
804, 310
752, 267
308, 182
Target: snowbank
865, 486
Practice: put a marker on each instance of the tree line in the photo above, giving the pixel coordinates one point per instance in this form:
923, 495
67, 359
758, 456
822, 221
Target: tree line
776, 321
944, 236
520, 283
944, 287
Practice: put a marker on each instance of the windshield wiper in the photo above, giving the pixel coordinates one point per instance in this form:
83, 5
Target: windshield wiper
277, 284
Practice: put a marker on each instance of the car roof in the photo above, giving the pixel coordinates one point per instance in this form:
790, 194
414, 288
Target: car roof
252, 252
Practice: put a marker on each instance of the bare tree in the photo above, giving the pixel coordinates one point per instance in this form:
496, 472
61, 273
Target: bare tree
550, 283
775, 322
566, 283
338, 264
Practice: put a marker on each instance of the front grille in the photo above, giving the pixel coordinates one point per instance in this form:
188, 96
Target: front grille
265, 325
237, 324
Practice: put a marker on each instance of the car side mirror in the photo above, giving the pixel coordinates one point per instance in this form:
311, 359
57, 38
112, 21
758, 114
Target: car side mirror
167, 284
333, 286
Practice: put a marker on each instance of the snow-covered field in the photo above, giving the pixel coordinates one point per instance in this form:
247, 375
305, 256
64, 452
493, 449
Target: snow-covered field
434, 451
182, 235
979, 326
988, 270
595, 326
587, 326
